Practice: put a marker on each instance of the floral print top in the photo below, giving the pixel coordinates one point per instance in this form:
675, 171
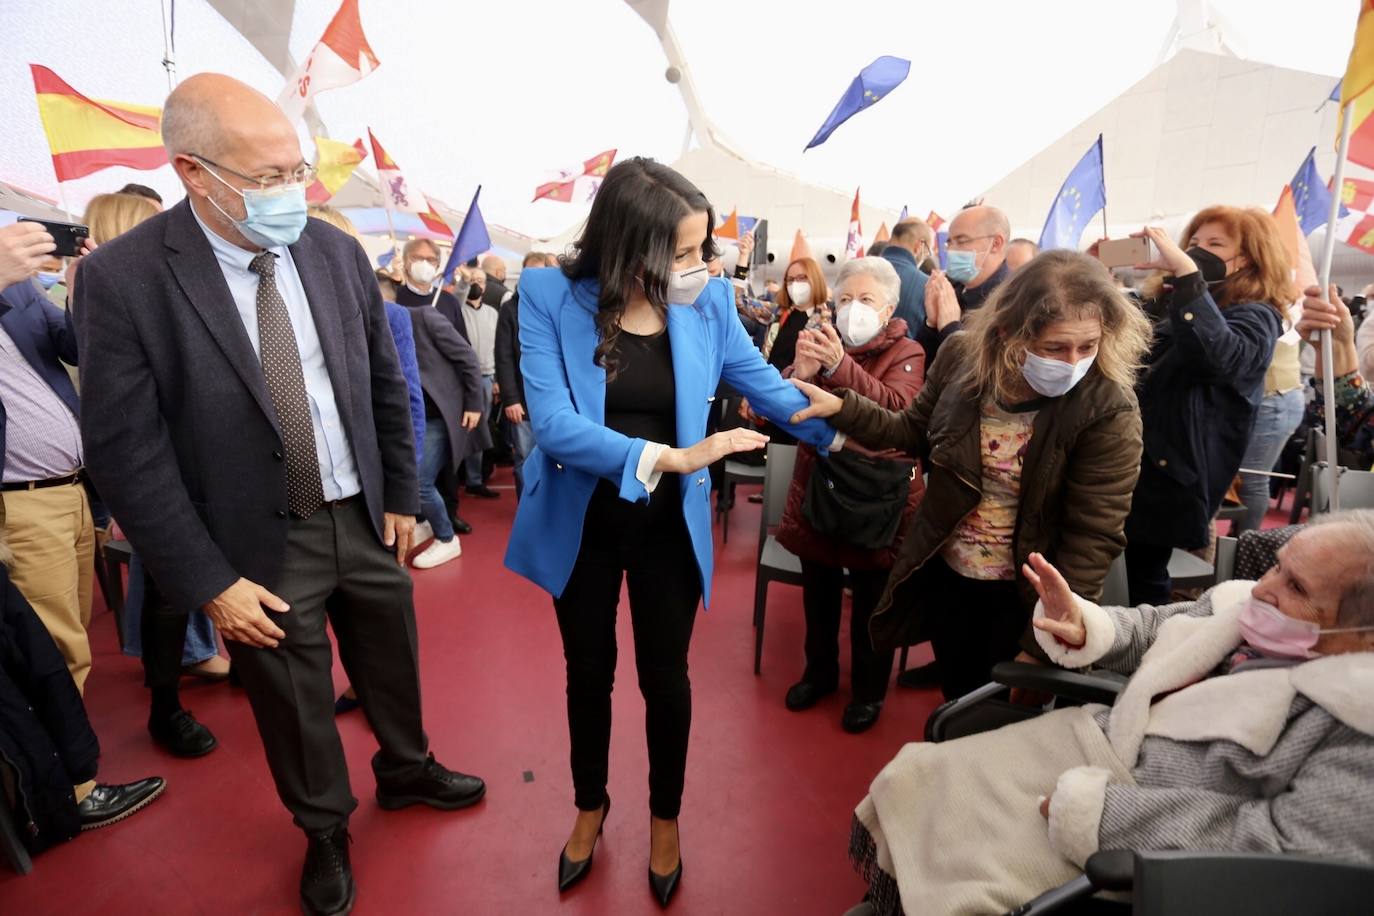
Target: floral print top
1354, 419
981, 547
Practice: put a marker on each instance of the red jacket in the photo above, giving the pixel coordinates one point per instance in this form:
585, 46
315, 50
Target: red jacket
889, 370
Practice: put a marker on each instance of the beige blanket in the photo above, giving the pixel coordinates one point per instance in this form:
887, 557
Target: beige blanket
957, 824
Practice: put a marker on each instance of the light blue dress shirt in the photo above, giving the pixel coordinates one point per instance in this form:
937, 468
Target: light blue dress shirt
338, 473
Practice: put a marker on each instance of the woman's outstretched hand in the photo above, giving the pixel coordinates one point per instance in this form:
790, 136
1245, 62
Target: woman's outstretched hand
710, 450
823, 403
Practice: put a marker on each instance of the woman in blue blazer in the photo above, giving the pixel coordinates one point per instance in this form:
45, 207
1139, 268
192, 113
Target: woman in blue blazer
621, 351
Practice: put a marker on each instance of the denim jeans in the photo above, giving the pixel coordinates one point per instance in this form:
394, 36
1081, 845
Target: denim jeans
200, 632
431, 463
521, 437
1278, 416
472, 465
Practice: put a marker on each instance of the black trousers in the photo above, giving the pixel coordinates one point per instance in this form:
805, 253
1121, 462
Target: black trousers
164, 635
974, 624
1147, 573
336, 569
649, 547
823, 599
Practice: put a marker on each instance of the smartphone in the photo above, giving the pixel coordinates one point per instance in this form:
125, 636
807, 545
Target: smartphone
68, 236
819, 315
1123, 252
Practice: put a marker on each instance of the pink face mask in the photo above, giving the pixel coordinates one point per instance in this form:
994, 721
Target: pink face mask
1274, 633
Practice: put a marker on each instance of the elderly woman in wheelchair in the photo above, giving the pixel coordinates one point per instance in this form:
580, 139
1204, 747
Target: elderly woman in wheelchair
1246, 725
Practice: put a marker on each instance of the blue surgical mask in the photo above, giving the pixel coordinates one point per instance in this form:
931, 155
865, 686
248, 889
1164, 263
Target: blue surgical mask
961, 266
274, 217
48, 280
1052, 377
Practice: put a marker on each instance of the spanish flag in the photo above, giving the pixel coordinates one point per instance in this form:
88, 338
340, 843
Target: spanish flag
1358, 88
335, 162
87, 135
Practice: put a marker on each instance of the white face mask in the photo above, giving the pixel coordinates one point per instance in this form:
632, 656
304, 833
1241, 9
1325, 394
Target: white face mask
858, 323
799, 292
1051, 377
684, 286
423, 272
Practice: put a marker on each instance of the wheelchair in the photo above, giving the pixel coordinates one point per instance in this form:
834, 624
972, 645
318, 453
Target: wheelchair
1157, 882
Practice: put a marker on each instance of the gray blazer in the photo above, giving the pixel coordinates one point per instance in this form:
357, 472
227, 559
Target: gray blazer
180, 434
450, 378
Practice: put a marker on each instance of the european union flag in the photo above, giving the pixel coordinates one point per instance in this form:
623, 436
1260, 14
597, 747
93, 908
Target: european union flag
1082, 197
472, 240
1311, 197
874, 82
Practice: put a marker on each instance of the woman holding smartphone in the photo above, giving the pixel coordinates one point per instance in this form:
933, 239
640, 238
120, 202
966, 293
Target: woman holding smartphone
621, 352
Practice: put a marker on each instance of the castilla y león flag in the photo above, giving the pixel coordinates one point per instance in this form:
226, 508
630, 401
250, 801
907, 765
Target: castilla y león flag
87, 135
342, 56
580, 182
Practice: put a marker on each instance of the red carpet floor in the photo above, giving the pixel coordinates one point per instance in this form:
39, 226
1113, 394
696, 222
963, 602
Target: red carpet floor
765, 821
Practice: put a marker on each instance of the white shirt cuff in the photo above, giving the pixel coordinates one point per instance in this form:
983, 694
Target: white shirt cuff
838, 442
645, 472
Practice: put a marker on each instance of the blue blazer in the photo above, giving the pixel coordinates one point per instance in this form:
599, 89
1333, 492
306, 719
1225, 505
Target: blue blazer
565, 393
46, 337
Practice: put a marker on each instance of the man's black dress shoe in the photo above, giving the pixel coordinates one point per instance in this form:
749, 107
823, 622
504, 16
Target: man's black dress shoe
108, 804
804, 695
860, 717
460, 526
181, 735
327, 887
570, 872
483, 492
435, 785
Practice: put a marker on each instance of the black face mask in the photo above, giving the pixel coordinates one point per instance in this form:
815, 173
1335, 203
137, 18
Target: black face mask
474, 291
1212, 268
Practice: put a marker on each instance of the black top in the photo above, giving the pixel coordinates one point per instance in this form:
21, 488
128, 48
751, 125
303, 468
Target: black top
784, 351
641, 401
448, 305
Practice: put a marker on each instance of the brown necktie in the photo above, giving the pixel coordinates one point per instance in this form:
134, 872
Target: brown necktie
281, 365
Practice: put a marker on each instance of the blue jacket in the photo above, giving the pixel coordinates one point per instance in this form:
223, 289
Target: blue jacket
46, 337
1199, 393
398, 318
565, 394
911, 304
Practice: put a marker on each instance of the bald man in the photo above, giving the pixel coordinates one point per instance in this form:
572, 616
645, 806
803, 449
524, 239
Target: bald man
1019, 253
911, 243
975, 265
247, 422
494, 292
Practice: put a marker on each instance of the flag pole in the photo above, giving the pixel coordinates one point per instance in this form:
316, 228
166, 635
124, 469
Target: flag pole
1328, 252
391, 227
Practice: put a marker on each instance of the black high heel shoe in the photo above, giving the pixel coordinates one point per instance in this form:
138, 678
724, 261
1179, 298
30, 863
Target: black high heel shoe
665, 886
570, 872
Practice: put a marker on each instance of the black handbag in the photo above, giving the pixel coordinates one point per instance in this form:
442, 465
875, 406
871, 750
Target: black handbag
856, 499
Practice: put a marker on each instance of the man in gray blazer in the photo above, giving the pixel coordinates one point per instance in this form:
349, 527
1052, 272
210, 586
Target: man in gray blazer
247, 422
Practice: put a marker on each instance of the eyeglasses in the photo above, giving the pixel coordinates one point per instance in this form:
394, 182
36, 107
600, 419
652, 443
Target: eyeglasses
302, 175
961, 241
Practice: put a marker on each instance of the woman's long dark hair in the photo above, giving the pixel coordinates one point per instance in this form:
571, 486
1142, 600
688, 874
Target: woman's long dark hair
630, 237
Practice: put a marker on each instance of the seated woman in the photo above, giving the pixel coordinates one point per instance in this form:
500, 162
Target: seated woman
1354, 399
847, 511
1246, 726
1030, 434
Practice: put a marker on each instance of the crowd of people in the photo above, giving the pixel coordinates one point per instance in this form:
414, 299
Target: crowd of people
278, 428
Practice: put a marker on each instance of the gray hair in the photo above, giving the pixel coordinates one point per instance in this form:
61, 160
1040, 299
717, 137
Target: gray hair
189, 127
1357, 602
880, 269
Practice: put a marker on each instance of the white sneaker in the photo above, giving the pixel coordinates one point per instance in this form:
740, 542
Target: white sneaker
424, 531
438, 553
